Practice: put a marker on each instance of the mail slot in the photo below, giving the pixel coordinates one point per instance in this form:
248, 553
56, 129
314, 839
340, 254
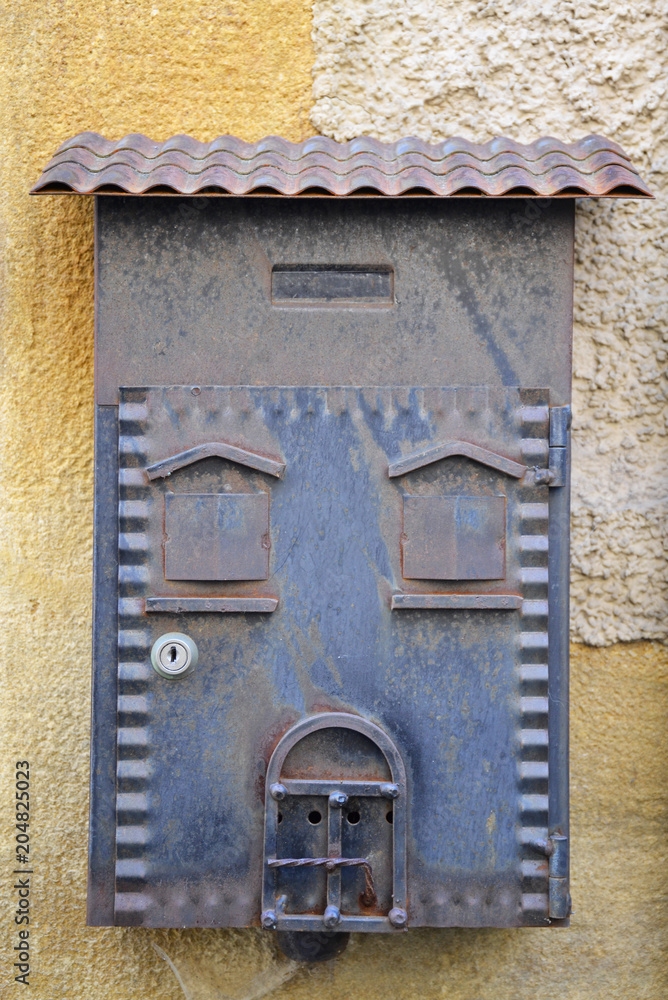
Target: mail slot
330, 670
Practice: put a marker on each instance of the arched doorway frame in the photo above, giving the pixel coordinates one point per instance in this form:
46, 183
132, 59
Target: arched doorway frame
273, 915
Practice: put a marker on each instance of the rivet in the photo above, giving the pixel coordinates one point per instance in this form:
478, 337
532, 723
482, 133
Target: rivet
338, 799
278, 791
269, 920
389, 791
331, 916
397, 917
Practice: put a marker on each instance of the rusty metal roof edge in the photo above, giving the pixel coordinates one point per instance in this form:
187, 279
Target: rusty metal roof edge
390, 151
136, 165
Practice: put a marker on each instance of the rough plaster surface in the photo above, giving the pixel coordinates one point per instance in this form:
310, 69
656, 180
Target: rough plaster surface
524, 68
116, 67
206, 68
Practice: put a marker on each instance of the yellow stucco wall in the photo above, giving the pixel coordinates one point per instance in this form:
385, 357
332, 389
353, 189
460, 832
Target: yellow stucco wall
209, 68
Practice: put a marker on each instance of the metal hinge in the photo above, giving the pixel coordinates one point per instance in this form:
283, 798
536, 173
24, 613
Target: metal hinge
556, 473
556, 850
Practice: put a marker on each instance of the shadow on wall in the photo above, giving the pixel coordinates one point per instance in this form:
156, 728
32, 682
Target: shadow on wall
211, 964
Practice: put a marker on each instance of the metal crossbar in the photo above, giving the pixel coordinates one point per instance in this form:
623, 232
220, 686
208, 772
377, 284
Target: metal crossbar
369, 895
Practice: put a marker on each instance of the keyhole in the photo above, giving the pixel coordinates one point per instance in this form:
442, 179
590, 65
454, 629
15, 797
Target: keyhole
173, 655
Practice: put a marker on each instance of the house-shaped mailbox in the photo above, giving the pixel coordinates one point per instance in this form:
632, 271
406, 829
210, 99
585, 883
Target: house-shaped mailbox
331, 536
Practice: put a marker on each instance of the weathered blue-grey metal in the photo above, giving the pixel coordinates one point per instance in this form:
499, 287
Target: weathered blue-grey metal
331, 579
389, 677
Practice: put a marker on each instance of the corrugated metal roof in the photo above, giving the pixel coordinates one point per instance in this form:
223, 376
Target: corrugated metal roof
591, 167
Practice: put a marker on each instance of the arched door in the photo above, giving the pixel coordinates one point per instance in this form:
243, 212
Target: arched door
335, 828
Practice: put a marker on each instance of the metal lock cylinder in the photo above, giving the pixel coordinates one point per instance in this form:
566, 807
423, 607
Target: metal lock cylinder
174, 654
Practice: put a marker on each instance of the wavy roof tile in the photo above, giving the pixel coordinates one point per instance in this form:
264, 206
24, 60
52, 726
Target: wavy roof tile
591, 167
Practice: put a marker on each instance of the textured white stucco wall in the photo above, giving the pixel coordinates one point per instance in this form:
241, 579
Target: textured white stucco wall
524, 68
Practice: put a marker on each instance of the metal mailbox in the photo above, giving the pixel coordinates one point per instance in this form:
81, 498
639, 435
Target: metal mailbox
331, 530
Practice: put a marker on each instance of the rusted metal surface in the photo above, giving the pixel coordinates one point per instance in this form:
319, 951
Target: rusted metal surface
342, 817
330, 864
343, 709
448, 448
454, 538
457, 602
330, 530
104, 694
215, 449
217, 605
216, 536
88, 163
463, 271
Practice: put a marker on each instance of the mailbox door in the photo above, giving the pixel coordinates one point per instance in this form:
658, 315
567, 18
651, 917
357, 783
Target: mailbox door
376, 553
